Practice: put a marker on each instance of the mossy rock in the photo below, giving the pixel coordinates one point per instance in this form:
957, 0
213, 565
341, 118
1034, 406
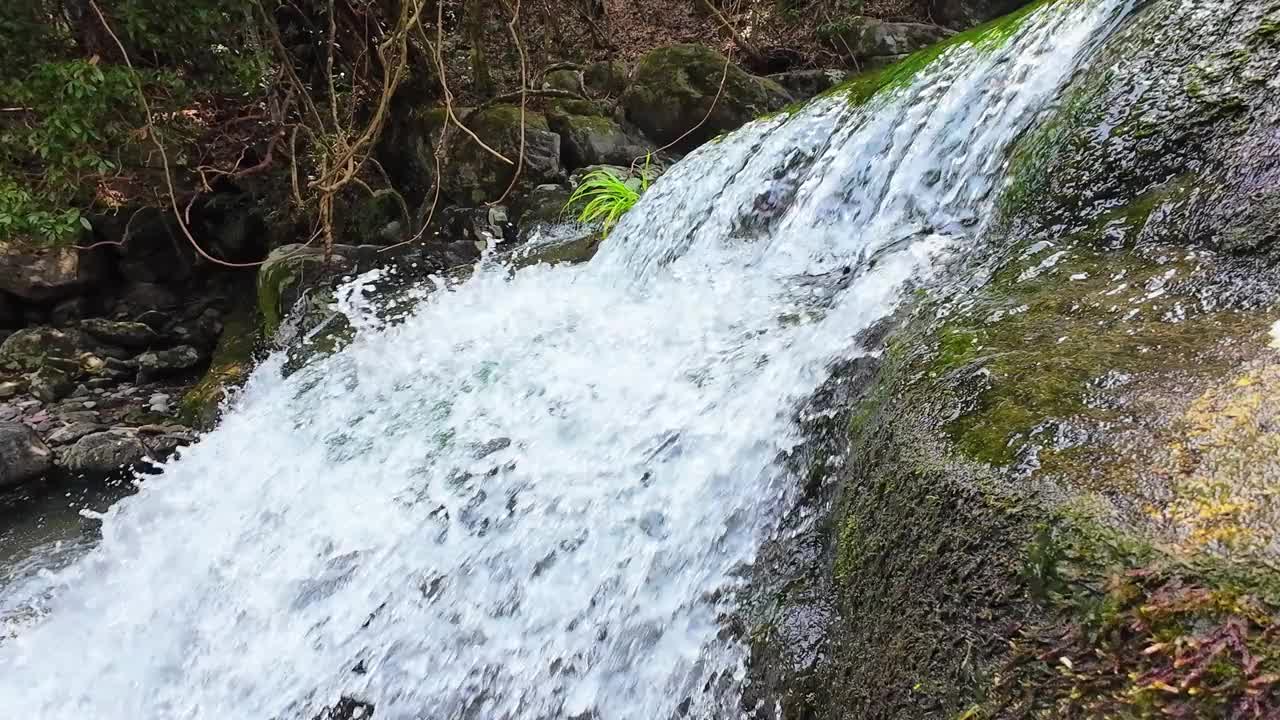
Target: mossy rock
232, 361
596, 140
607, 78
472, 175
676, 87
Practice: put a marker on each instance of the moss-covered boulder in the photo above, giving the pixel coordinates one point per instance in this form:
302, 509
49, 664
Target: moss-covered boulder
473, 175
868, 40
607, 78
292, 271
674, 88
596, 140
1055, 494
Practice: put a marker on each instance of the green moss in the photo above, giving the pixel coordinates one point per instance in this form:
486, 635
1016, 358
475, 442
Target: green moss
232, 361
272, 279
1042, 339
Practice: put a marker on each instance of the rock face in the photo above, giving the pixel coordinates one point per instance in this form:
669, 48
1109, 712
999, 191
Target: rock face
962, 14
23, 456
43, 275
674, 88
1052, 477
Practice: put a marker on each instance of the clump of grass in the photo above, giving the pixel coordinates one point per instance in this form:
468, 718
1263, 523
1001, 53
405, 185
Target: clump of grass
604, 197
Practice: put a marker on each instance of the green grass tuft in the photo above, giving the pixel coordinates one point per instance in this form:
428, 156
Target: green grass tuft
604, 197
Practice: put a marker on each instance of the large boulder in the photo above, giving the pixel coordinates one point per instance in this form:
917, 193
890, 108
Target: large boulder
960, 14
27, 350
44, 275
470, 174
607, 78
676, 87
596, 140
23, 456
291, 271
174, 361
878, 42
473, 175
122, 333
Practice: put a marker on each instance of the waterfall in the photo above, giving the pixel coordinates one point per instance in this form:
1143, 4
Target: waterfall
538, 494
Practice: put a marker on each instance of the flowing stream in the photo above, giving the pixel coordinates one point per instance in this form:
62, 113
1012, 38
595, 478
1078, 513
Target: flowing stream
538, 494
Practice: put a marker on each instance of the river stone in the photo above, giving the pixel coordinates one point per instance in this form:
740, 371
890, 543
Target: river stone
23, 456
44, 275
124, 334
156, 363
676, 87
10, 388
104, 453
594, 140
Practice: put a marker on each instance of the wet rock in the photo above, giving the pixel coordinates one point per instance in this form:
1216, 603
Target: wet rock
675, 87
46, 274
23, 456
232, 360
540, 208
104, 453
124, 334
292, 270
159, 363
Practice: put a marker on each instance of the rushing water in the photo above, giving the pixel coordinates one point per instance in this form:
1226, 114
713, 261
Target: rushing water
536, 495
